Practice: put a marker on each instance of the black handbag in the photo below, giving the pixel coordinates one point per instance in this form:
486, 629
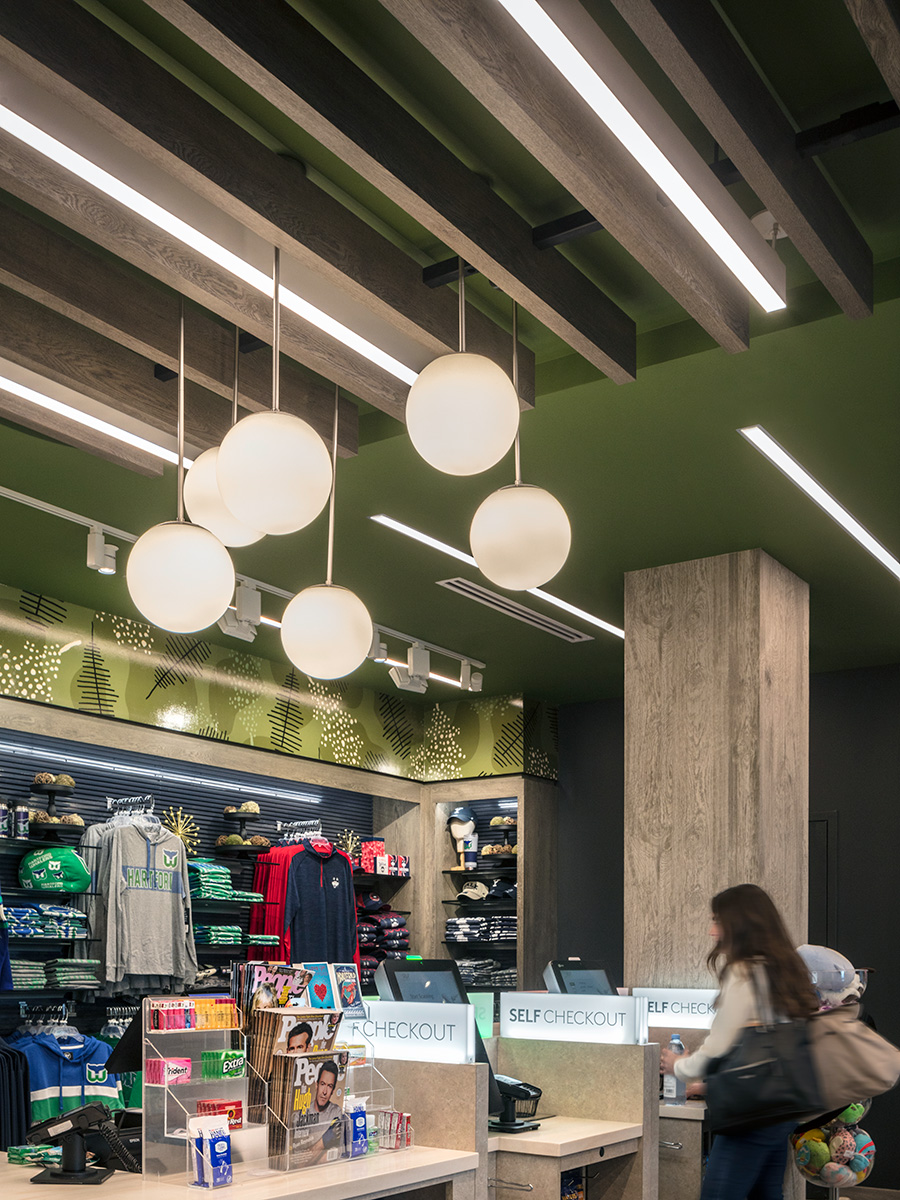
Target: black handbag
767, 1076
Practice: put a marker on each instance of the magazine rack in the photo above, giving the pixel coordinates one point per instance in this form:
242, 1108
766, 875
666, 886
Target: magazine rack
168, 1151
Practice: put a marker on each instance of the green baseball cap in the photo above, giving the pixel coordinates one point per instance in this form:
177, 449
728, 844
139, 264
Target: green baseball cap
60, 869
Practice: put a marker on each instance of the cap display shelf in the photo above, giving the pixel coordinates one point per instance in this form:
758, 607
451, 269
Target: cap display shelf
506, 944
474, 907
52, 791
504, 869
364, 879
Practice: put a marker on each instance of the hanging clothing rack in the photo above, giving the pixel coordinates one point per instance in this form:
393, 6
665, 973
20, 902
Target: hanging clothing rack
58, 1012
130, 804
296, 831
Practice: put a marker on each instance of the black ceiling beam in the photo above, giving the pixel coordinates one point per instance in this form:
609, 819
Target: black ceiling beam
854, 126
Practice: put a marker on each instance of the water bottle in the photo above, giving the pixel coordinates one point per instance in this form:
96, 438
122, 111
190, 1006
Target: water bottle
673, 1087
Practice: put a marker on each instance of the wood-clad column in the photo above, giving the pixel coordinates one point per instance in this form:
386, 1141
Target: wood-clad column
716, 753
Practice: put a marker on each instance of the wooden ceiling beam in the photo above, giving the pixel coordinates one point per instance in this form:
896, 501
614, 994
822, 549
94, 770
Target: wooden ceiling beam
75, 204
291, 65
485, 48
82, 61
124, 306
879, 23
696, 49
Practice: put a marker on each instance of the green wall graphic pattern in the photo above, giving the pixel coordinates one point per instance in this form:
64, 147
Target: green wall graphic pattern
112, 666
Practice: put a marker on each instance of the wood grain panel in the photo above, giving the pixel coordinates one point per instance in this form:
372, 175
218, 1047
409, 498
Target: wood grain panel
81, 60
120, 735
537, 890
291, 65
879, 23
22, 412
484, 47
128, 308
716, 712
61, 350
39, 182
695, 47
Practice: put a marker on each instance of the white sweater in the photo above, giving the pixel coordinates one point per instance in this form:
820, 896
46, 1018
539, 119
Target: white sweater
735, 1008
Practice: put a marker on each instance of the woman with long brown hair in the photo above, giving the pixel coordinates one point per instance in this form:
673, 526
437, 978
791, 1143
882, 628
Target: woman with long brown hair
749, 933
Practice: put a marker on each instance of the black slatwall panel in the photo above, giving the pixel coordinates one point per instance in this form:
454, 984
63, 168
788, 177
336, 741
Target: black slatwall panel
201, 791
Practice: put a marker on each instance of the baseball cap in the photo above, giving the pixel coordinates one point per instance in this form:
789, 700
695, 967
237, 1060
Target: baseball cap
473, 890
370, 902
61, 869
463, 813
501, 890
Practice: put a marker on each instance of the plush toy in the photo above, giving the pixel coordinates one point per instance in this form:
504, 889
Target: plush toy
864, 1156
811, 1153
836, 1175
842, 1146
852, 1114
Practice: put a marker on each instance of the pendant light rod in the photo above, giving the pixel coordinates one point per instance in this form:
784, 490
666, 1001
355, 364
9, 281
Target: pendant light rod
515, 382
180, 417
334, 449
276, 330
235, 389
462, 305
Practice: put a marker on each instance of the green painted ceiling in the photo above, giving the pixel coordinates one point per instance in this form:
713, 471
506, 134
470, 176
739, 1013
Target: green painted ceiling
650, 473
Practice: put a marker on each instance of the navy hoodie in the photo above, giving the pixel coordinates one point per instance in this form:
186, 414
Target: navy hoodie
320, 907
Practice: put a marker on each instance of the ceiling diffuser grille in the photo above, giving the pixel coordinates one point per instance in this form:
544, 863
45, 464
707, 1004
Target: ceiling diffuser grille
510, 608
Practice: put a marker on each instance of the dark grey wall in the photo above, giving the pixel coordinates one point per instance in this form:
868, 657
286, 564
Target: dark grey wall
854, 772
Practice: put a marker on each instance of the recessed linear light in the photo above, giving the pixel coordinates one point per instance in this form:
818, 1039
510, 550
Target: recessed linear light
766, 444
92, 422
574, 68
425, 539
101, 179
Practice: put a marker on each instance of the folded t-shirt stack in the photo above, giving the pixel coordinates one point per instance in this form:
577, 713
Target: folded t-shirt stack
28, 976
57, 921
477, 973
482, 929
34, 1156
64, 974
218, 935
368, 965
382, 933
209, 880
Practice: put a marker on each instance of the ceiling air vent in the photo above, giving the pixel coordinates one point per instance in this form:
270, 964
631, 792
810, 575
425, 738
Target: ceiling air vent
509, 608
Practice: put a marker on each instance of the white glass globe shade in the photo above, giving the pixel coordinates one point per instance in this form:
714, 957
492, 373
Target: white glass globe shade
206, 507
274, 472
462, 413
520, 537
326, 631
180, 576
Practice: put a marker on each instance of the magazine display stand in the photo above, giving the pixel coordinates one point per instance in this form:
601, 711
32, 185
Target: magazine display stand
170, 1103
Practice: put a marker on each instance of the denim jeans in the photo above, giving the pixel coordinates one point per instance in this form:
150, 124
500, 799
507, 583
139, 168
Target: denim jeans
748, 1166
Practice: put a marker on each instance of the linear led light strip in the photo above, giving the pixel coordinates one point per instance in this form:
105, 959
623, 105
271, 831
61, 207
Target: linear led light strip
549, 38
87, 419
170, 777
776, 454
101, 179
424, 538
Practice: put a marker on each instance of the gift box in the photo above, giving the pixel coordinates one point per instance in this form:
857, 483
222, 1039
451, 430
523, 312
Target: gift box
368, 852
403, 865
383, 864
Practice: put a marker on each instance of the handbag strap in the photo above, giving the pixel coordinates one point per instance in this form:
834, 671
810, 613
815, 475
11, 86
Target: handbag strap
759, 978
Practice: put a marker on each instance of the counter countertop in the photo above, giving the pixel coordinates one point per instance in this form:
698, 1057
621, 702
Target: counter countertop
559, 1136
351, 1179
692, 1110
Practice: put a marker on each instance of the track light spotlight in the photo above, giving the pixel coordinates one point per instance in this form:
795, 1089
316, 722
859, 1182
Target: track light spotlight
414, 676
101, 554
469, 680
241, 619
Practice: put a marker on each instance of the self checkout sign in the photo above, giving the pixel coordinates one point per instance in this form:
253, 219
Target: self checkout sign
679, 1008
415, 1032
620, 1020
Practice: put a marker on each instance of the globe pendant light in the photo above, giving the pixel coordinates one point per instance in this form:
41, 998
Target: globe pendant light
326, 630
273, 470
462, 412
180, 576
520, 535
202, 497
